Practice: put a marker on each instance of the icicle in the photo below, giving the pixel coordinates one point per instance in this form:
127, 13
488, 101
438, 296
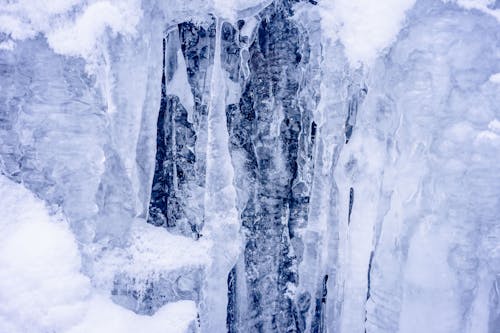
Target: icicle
221, 216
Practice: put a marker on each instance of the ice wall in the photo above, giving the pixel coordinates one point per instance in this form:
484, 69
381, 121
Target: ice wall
415, 233
262, 166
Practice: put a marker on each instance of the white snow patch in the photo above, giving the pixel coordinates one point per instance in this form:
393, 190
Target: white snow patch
72, 27
40, 284
152, 246
79, 37
495, 78
151, 249
364, 27
23, 19
494, 125
42, 289
104, 317
487, 137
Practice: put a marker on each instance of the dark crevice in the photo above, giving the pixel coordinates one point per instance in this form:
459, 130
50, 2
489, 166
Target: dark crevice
318, 323
313, 132
271, 163
351, 203
369, 275
352, 111
368, 289
232, 308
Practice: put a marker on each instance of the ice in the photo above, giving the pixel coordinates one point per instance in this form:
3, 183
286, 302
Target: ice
428, 165
249, 165
221, 217
179, 84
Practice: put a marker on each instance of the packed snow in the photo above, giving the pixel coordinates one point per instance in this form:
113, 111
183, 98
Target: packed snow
42, 288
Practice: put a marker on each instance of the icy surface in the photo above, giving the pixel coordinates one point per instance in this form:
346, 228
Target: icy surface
250, 166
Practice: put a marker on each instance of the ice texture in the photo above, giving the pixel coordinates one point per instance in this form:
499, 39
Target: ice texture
250, 166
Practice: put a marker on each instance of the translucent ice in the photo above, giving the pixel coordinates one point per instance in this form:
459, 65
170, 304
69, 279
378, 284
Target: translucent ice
249, 166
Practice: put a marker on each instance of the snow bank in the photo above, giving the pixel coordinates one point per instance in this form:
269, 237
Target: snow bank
40, 284
76, 27
41, 287
105, 317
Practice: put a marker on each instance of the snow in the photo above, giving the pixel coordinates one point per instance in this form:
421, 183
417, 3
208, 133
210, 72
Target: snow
364, 27
150, 251
24, 18
79, 37
495, 78
78, 28
41, 286
104, 316
72, 27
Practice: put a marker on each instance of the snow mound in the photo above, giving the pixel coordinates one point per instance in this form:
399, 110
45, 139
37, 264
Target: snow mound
364, 27
41, 287
34, 297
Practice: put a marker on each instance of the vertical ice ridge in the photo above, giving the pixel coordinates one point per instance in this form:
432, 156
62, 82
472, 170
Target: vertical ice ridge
221, 216
494, 305
322, 237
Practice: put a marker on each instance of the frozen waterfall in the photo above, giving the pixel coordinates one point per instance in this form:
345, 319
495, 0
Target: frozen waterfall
250, 166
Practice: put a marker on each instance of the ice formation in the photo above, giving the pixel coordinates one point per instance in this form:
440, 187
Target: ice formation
250, 166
